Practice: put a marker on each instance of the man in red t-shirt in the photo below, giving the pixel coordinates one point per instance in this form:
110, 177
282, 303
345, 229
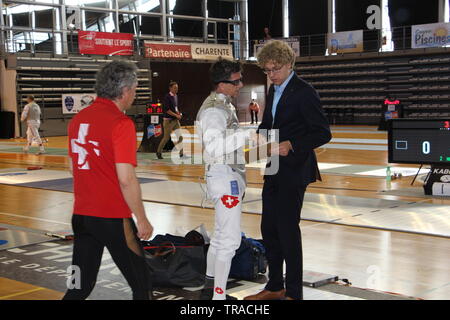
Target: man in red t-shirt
102, 148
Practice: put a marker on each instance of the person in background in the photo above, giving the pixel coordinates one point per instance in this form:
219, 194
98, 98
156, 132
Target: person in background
171, 119
102, 150
254, 110
32, 115
293, 109
267, 35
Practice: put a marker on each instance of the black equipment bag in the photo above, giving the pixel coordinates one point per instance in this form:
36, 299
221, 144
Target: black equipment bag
249, 260
175, 262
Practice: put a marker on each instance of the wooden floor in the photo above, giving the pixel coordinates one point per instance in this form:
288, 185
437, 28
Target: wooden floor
408, 264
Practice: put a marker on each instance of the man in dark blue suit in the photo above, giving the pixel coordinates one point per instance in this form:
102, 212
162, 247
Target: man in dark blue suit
171, 119
293, 109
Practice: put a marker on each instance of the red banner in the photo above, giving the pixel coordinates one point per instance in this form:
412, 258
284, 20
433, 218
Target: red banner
167, 50
105, 43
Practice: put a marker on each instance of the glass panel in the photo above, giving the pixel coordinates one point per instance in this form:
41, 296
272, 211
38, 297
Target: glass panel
21, 18
107, 4
109, 23
222, 32
220, 9
32, 42
185, 7
128, 23
187, 28
44, 19
43, 42
94, 20
212, 30
150, 25
141, 5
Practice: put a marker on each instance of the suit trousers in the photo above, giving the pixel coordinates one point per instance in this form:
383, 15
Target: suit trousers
282, 204
169, 126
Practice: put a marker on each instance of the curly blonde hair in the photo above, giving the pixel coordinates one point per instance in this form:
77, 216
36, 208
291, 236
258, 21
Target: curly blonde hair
277, 52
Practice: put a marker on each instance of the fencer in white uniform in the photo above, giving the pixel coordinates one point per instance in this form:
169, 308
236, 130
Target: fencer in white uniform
223, 142
32, 115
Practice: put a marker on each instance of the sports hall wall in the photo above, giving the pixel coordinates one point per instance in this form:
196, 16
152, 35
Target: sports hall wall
307, 19
194, 85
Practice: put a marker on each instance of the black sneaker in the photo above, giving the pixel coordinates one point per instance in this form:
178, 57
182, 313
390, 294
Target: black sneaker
159, 155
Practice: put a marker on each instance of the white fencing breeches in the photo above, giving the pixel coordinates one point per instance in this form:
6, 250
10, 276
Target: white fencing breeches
226, 188
33, 132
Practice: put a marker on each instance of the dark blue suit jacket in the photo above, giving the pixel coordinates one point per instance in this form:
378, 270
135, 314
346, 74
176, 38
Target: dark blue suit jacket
301, 120
169, 104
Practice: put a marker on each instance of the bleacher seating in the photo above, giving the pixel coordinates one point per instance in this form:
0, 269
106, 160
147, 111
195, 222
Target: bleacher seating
360, 83
47, 78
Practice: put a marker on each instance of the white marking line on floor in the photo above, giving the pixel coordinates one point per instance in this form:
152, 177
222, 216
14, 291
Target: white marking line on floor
368, 141
354, 147
20, 293
33, 218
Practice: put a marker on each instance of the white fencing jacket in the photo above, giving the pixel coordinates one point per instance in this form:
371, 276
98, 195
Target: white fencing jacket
32, 113
223, 140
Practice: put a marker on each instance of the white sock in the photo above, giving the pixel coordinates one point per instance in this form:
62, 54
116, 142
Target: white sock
222, 271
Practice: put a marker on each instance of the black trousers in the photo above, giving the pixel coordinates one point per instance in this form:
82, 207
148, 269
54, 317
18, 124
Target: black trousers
91, 236
254, 116
282, 203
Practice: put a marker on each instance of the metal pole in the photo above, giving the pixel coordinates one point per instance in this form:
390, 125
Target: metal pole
441, 8
116, 14
404, 38
244, 30
330, 16
285, 12
2, 23
237, 32
164, 19
62, 12
205, 20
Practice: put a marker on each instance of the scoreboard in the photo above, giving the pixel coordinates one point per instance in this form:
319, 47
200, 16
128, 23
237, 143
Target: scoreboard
153, 128
154, 108
420, 141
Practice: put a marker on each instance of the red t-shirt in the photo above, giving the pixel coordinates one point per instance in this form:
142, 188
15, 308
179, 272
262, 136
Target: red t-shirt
99, 137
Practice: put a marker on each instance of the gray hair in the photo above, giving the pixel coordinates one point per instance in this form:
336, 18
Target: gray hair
113, 77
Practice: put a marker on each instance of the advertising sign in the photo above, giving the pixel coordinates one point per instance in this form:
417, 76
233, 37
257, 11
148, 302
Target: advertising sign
74, 103
167, 50
208, 51
430, 35
105, 43
345, 42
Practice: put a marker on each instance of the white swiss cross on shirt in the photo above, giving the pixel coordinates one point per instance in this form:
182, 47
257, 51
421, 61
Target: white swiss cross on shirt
83, 149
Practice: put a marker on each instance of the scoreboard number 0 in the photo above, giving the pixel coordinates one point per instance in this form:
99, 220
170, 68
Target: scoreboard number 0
426, 147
